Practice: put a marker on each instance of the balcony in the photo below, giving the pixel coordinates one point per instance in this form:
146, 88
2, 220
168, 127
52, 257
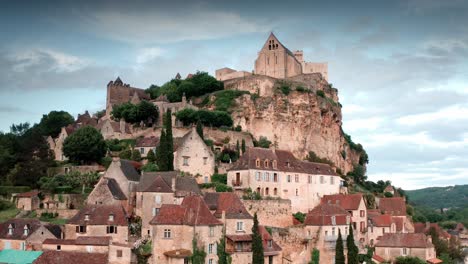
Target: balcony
236, 183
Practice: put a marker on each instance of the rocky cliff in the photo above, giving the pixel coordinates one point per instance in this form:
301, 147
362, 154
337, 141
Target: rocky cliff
299, 114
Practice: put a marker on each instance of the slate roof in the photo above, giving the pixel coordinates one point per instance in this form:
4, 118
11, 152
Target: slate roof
322, 215
227, 202
56, 230
193, 212
285, 161
18, 225
128, 169
395, 206
70, 257
115, 190
409, 240
346, 201
147, 142
99, 215
162, 182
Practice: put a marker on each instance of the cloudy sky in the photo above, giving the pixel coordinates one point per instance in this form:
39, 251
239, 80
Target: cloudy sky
401, 66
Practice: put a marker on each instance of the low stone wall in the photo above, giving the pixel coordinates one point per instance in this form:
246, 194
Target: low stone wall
275, 213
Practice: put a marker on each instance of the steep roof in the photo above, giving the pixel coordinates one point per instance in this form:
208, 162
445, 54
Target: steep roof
227, 202
426, 227
409, 240
115, 190
128, 169
18, 225
395, 206
381, 220
193, 211
162, 182
273, 37
323, 213
99, 215
268, 250
346, 201
147, 142
70, 257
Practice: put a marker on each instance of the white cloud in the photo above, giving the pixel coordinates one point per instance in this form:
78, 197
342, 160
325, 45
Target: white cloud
451, 113
148, 54
55, 60
363, 124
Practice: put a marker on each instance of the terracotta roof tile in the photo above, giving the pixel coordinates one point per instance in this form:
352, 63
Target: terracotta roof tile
227, 202
395, 206
237, 238
399, 223
346, 201
29, 194
425, 228
99, 215
81, 240
18, 225
147, 142
378, 258
70, 257
322, 215
409, 240
270, 247
381, 220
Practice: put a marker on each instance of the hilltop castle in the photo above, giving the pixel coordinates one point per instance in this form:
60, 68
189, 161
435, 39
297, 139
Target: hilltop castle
277, 61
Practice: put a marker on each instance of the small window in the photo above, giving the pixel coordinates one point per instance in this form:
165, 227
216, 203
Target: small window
270, 243
119, 253
322, 180
240, 226
333, 231
155, 211
111, 230
186, 161
267, 191
267, 176
266, 163
275, 177
157, 199
310, 179
86, 217
275, 191
289, 178
332, 180
80, 229
274, 164
257, 176
333, 220
239, 246
59, 247
257, 163
167, 233
211, 231
297, 192
210, 261
210, 248
405, 251
296, 178
142, 150
111, 217
205, 160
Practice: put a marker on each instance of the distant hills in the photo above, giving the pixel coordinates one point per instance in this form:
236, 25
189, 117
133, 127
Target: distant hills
440, 197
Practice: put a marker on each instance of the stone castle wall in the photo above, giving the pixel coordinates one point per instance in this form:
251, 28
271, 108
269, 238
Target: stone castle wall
275, 213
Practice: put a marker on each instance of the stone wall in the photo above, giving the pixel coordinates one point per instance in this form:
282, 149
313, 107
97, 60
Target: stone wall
218, 135
275, 213
65, 213
292, 241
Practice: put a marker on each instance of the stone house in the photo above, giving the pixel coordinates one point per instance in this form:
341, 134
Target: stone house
56, 145
378, 225
158, 188
111, 129
175, 227
144, 145
277, 173
26, 234
70, 257
89, 244
390, 246
396, 207
27, 201
271, 250
193, 156
321, 227
107, 191
99, 221
425, 228
164, 105
355, 205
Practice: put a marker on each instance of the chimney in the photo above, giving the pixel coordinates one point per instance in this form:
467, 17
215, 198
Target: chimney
173, 183
122, 126
428, 225
429, 239
223, 216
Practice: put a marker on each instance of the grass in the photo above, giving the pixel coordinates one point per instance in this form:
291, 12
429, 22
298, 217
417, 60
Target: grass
224, 100
58, 221
8, 214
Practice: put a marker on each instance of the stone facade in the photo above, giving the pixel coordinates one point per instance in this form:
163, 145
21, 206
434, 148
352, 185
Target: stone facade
391, 246
275, 213
27, 201
26, 234
228, 73
164, 105
119, 92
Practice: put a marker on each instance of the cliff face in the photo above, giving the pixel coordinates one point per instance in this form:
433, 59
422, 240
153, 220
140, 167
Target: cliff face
299, 121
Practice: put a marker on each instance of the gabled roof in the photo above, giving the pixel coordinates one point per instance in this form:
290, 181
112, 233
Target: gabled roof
323, 213
268, 250
426, 227
395, 206
408, 240
162, 182
273, 37
193, 212
115, 190
128, 169
346, 201
227, 202
146, 142
99, 215
18, 225
381, 220
70, 257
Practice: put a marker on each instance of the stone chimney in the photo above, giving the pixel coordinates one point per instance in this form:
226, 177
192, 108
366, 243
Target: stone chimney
429, 239
122, 126
223, 216
428, 225
173, 183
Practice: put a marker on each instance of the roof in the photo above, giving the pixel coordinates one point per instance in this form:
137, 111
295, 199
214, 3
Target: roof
70, 257
227, 202
434, 261
128, 169
285, 161
395, 206
193, 211
272, 36
322, 215
56, 230
238, 238
346, 201
18, 225
378, 258
409, 240
399, 223
81, 240
99, 215
147, 142
29, 194
381, 220
115, 190
18, 256
162, 182
274, 249
178, 253
425, 228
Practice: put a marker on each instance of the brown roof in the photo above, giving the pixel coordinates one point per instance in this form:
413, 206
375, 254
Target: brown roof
395, 206
193, 211
426, 227
81, 240
162, 182
70, 257
399, 223
285, 161
18, 225
378, 258
227, 202
99, 215
147, 142
381, 220
346, 201
29, 194
409, 240
237, 238
322, 215
274, 249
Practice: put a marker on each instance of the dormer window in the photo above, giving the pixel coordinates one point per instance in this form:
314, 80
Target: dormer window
111, 217
274, 164
333, 220
348, 219
86, 217
270, 243
257, 163
25, 230
288, 164
266, 163
10, 229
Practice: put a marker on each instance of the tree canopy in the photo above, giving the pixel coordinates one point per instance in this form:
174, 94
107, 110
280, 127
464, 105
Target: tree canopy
257, 243
85, 145
135, 113
52, 123
206, 117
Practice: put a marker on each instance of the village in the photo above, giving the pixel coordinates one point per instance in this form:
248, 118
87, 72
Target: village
185, 182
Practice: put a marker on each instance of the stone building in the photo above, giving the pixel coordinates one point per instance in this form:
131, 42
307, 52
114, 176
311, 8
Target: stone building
158, 188
27, 201
176, 226
164, 105
111, 129
119, 92
277, 173
145, 144
193, 156
56, 145
26, 234
107, 191
68, 257
391, 246
396, 207
99, 221
378, 225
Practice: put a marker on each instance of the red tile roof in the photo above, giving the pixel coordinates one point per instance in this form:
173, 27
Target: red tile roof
395, 206
346, 201
409, 240
322, 215
268, 249
193, 211
29, 194
147, 142
378, 258
381, 220
227, 202
237, 238
399, 223
99, 215
434, 261
18, 225
81, 240
425, 228
69, 257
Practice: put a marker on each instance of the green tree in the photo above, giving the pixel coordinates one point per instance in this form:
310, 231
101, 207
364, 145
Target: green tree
263, 142
315, 259
339, 251
243, 146
223, 257
149, 167
126, 154
238, 148
169, 141
353, 250
409, 260
198, 255
161, 153
85, 145
52, 123
150, 156
200, 129
136, 155
257, 243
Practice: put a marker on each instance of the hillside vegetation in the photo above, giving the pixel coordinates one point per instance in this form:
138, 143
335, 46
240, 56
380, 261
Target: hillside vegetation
440, 197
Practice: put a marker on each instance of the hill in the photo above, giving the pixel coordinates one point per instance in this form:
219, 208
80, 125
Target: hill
440, 197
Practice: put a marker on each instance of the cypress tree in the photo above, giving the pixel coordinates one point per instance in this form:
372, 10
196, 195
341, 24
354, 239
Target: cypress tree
169, 141
353, 251
150, 156
243, 146
339, 253
238, 149
223, 257
161, 153
200, 129
257, 244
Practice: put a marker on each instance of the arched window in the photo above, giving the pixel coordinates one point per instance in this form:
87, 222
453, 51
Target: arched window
267, 191
275, 191
257, 163
266, 163
258, 190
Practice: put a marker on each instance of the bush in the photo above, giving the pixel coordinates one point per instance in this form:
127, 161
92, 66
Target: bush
149, 167
222, 188
207, 118
285, 89
301, 89
126, 154
320, 93
8, 190
262, 143
409, 260
224, 100
238, 128
312, 157
388, 194
300, 216
219, 178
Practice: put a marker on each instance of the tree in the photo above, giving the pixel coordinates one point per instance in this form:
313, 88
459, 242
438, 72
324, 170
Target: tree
126, 154
409, 260
198, 255
85, 145
263, 142
150, 156
149, 167
257, 243
353, 250
243, 146
200, 129
162, 157
169, 141
315, 259
52, 123
136, 155
238, 148
339, 251
223, 257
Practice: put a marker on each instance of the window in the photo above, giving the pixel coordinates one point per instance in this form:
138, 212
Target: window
210, 248
155, 211
67, 170
405, 251
210, 261
211, 231
167, 233
142, 150
25, 230
332, 180
240, 226
111, 229
270, 243
267, 176
310, 179
297, 192
257, 176
333, 231
80, 229
275, 177
333, 220
321, 180
157, 199
275, 191
267, 191
119, 253
23, 246
257, 163
239, 246
346, 230
288, 164
86, 217
296, 178
274, 164
10, 231
362, 213
205, 160
186, 161
111, 217
59, 247
383, 230
289, 178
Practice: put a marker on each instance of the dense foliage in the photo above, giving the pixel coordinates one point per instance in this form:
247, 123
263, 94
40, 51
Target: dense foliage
144, 111
52, 123
263, 142
339, 251
353, 250
224, 100
198, 254
257, 243
409, 260
85, 145
300, 216
75, 182
165, 153
206, 117
315, 259
223, 257
440, 197
200, 129
312, 157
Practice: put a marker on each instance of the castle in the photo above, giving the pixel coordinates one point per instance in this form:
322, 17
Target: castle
277, 61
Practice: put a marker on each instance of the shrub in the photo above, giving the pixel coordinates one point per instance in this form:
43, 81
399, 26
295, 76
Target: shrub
285, 89
388, 194
224, 100
85, 145
8, 190
238, 128
300, 216
312, 157
219, 178
320, 93
126, 154
301, 89
263, 142
207, 118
